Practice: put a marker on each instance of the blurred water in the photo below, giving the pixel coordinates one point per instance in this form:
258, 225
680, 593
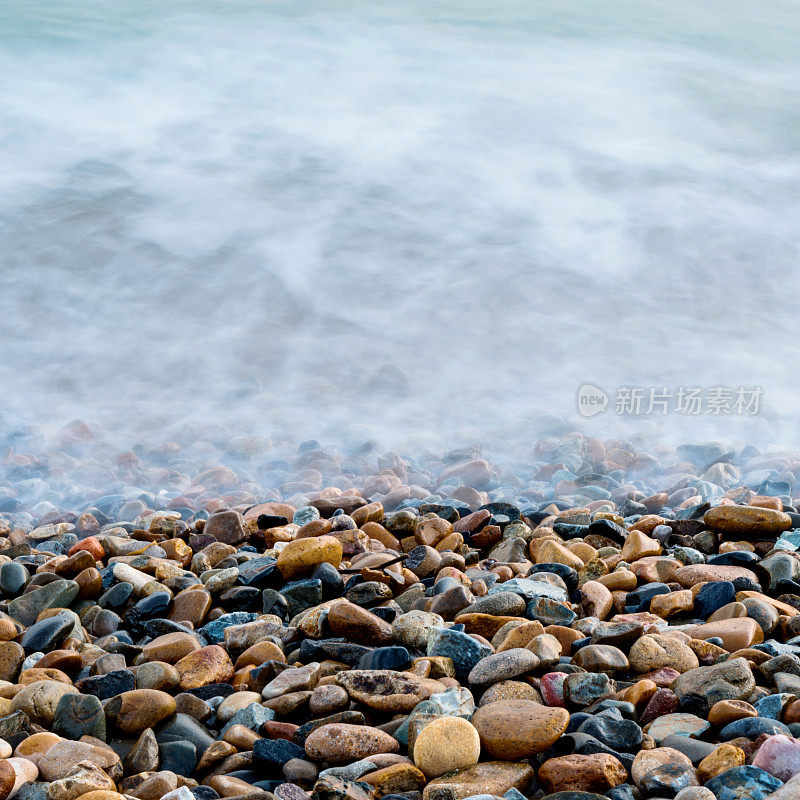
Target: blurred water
242, 211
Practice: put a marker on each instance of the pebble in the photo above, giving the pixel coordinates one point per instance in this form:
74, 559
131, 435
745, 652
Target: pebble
517, 729
337, 743
446, 744
582, 773
744, 782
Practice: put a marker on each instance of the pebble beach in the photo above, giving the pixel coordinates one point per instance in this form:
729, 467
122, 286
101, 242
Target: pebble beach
435, 429
602, 620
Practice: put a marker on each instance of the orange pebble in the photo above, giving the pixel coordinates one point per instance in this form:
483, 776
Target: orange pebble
91, 545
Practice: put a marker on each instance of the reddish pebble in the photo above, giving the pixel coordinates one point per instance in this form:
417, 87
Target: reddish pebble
91, 545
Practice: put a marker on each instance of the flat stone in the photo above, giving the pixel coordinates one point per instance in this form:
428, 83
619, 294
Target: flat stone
490, 777
502, 666
61, 758
669, 724
387, 691
341, 743
736, 634
58, 594
747, 521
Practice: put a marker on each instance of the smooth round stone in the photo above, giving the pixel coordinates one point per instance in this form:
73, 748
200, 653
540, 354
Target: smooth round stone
684, 724
751, 727
507, 604
626, 709
618, 734
550, 612
694, 749
305, 515
332, 582
601, 658
639, 599
724, 757
699, 689
412, 629
695, 793
736, 633
39, 700
575, 796
763, 613
13, 576
747, 521
617, 634
58, 594
509, 690
652, 652
338, 743
517, 729
328, 699
576, 772
301, 595
131, 712
622, 792
564, 571
303, 555
446, 744
157, 675
735, 558
727, 711
205, 666
551, 687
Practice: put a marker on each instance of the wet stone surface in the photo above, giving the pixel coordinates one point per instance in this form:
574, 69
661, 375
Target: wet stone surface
604, 622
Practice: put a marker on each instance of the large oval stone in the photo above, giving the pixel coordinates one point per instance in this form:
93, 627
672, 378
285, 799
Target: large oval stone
339, 743
517, 729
